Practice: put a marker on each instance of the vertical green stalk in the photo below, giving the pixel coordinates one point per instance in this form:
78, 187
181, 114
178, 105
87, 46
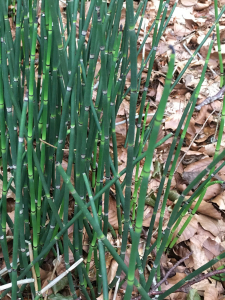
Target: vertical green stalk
16, 78
146, 173
45, 93
3, 211
219, 45
130, 26
30, 148
18, 198
97, 229
137, 180
188, 111
103, 270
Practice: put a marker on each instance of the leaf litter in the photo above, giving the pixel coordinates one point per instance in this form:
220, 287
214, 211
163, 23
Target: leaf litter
205, 234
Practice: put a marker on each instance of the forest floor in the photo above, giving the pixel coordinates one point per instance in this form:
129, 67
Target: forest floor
204, 237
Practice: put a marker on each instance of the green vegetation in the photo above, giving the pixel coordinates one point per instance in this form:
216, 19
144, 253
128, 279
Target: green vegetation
45, 104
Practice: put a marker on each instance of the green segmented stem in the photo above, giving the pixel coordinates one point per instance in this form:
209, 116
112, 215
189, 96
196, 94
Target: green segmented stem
30, 149
219, 45
3, 211
191, 104
192, 275
97, 229
137, 180
18, 206
45, 114
146, 173
68, 104
195, 94
175, 215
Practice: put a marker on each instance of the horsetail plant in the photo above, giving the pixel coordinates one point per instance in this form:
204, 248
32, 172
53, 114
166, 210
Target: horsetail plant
55, 104
219, 45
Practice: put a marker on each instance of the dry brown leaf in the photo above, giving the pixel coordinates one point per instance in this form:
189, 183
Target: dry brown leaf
6, 297
180, 185
159, 93
112, 214
188, 2
173, 121
210, 148
108, 259
10, 247
198, 166
219, 201
187, 151
213, 246
198, 254
121, 132
212, 191
153, 184
122, 155
8, 230
205, 285
216, 105
64, 165
10, 204
181, 30
208, 224
171, 282
161, 134
112, 271
43, 274
207, 209
205, 133
148, 215
190, 80
111, 296
85, 245
124, 108
46, 282
189, 231
206, 234
211, 293
201, 117
97, 68
201, 6
182, 251
60, 267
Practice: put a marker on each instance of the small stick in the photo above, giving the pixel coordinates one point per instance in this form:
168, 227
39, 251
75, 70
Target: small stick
170, 271
52, 145
188, 50
58, 261
19, 282
5, 270
32, 269
57, 279
194, 139
200, 278
184, 288
116, 289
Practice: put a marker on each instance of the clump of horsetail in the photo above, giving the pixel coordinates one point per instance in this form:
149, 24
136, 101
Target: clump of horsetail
47, 87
